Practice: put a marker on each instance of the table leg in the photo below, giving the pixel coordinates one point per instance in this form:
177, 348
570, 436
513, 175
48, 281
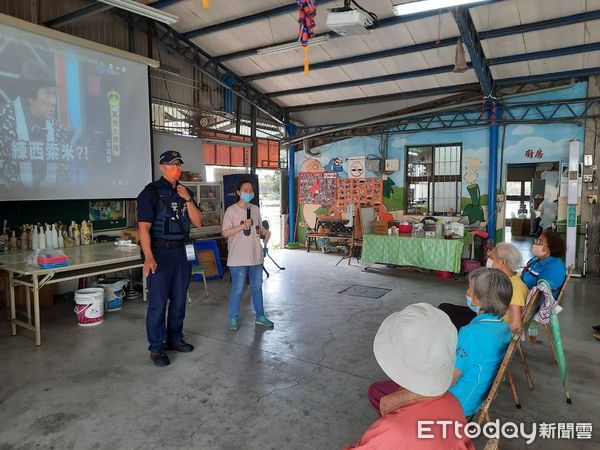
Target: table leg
36, 310
144, 288
7, 303
13, 309
28, 299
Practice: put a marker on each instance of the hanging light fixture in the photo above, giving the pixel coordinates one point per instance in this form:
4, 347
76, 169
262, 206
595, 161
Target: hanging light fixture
143, 10
460, 60
294, 45
415, 7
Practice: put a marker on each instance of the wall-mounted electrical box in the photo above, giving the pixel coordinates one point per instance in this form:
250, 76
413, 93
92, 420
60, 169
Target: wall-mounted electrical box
374, 165
588, 160
588, 178
392, 164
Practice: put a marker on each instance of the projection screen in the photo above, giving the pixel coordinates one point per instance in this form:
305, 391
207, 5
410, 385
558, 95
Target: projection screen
74, 122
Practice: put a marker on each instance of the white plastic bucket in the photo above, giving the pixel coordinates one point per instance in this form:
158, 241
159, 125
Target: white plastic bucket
89, 306
114, 299
113, 293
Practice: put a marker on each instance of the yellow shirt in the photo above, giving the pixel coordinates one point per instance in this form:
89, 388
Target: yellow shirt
520, 291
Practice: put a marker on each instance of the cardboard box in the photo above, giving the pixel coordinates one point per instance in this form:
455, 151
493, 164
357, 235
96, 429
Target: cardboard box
207, 259
380, 227
131, 234
520, 227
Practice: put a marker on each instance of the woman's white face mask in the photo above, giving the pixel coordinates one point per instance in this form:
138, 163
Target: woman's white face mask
538, 250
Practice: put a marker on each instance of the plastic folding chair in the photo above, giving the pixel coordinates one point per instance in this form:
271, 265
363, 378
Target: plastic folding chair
198, 269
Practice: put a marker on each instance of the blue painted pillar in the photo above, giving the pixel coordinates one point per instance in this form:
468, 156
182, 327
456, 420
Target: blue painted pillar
493, 172
229, 78
290, 130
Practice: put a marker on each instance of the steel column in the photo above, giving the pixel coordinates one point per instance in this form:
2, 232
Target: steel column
254, 149
229, 78
492, 218
290, 131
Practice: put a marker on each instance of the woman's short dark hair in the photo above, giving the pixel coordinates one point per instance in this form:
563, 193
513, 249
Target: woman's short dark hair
556, 244
243, 182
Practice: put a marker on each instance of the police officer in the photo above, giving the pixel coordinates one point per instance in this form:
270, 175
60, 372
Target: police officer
165, 210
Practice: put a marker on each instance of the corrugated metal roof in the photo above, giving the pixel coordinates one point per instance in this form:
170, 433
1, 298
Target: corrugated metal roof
282, 27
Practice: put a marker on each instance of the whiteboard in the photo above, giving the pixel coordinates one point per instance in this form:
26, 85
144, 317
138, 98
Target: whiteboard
367, 216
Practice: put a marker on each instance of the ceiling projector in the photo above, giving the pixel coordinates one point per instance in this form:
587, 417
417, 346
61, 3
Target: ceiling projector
348, 21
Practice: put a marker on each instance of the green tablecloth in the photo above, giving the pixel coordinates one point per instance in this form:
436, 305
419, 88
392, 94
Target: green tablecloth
426, 253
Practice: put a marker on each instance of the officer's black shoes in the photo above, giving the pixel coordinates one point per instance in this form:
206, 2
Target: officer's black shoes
182, 347
160, 359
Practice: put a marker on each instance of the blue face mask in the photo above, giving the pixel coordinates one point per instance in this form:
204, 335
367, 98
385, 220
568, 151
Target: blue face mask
471, 306
247, 196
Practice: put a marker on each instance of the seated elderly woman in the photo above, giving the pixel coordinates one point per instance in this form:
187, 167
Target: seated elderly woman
546, 263
483, 343
421, 366
507, 258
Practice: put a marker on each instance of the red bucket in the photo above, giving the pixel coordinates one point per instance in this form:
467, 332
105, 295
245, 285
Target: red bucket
405, 229
444, 275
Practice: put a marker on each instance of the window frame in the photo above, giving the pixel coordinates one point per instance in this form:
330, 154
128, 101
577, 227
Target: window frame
523, 196
408, 180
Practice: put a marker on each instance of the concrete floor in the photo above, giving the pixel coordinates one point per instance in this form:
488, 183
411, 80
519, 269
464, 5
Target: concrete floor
299, 386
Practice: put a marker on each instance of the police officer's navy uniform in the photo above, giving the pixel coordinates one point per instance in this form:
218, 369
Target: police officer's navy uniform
160, 205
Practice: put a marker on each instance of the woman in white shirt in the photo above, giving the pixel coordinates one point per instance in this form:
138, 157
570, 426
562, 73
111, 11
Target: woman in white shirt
243, 230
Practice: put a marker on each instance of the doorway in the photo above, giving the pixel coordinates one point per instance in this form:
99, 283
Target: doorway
269, 182
531, 202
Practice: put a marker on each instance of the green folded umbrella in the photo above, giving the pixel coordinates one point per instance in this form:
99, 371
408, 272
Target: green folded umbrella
559, 353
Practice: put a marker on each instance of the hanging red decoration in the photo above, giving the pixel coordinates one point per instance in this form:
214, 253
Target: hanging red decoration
306, 22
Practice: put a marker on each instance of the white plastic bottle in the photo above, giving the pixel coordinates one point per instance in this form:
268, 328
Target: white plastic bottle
35, 238
42, 238
54, 234
48, 233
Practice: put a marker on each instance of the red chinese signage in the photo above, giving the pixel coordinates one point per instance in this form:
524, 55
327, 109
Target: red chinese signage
534, 154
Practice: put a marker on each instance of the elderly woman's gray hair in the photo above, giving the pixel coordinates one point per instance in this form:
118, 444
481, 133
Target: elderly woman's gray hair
493, 290
510, 254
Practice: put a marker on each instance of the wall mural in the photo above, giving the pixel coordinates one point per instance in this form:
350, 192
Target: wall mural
522, 144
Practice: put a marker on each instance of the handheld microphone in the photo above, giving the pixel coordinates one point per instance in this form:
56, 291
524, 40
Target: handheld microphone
247, 231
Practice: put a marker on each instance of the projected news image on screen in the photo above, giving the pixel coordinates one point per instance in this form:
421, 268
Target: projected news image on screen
74, 122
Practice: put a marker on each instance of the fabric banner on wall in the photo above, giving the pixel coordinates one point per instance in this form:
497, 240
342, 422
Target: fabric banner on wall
318, 188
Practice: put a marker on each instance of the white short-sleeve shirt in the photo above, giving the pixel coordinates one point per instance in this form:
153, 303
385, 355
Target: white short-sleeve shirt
243, 250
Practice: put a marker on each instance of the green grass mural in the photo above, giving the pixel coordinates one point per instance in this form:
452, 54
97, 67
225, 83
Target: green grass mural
393, 196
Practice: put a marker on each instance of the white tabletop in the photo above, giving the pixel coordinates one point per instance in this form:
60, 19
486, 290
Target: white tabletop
80, 257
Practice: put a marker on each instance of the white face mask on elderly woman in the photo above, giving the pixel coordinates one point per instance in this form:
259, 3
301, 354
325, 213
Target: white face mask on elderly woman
489, 263
537, 250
